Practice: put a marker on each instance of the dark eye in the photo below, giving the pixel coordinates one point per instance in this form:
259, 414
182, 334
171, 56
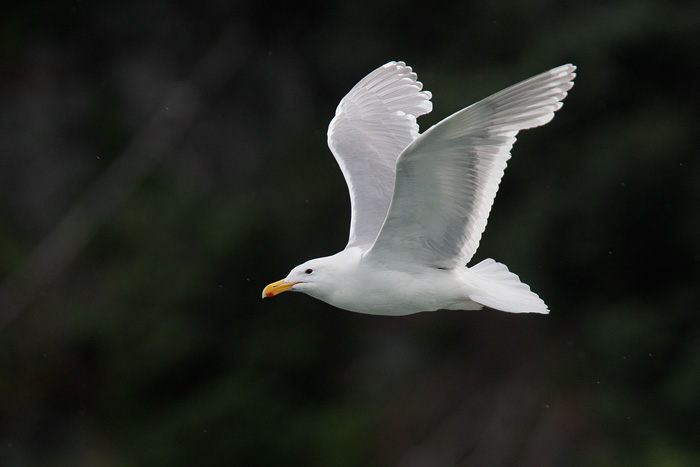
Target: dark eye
309, 271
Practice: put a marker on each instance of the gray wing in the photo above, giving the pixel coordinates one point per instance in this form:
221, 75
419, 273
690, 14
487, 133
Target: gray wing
446, 180
373, 123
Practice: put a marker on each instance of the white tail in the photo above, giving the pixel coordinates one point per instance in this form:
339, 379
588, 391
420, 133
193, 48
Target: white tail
502, 290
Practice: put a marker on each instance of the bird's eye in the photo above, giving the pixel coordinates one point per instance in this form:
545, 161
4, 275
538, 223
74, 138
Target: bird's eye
309, 271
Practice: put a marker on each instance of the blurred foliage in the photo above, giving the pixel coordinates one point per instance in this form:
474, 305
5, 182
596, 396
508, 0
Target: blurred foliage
152, 346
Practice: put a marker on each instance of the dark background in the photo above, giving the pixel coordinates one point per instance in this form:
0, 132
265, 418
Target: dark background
161, 162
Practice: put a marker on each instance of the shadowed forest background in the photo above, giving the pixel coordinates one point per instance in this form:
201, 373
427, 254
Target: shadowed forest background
161, 162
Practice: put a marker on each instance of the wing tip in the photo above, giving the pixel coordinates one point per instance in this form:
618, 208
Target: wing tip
397, 85
564, 74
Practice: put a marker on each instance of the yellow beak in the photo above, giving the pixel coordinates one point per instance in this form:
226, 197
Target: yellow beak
277, 287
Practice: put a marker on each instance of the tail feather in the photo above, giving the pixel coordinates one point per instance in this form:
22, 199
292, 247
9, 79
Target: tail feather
501, 289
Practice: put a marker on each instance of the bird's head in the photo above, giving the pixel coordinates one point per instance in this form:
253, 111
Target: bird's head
311, 277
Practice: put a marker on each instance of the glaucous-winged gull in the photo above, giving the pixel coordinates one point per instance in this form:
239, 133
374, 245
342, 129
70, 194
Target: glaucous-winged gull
420, 202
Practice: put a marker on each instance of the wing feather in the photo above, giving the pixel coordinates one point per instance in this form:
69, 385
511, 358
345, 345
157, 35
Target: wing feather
373, 123
446, 179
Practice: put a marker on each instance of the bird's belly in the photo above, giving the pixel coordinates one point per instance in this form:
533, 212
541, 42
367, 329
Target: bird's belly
397, 293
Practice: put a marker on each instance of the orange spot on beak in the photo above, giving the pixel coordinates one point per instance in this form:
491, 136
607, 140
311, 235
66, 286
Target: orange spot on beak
277, 288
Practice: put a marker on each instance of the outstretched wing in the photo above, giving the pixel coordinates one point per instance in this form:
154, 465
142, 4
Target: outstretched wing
446, 180
373, 123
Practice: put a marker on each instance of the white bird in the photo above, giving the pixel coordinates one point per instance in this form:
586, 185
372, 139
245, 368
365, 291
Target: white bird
420, 201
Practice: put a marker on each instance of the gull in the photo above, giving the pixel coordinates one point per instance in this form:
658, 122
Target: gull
420, 201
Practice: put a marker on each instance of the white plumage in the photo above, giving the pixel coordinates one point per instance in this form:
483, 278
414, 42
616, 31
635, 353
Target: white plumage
420, 202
